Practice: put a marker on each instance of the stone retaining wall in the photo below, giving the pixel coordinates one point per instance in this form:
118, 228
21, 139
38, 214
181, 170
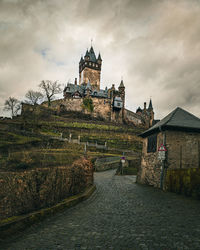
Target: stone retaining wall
27, 191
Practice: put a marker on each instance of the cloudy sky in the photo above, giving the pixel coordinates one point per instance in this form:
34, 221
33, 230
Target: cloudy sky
153, 44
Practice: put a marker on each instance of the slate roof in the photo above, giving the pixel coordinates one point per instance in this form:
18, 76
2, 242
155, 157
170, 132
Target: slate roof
92, 55
72, 88
99, 57
121, 84
178, 119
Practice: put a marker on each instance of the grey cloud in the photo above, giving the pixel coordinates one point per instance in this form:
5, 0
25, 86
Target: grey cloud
153, 44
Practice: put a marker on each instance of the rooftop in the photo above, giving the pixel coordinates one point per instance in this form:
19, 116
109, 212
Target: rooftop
178, 119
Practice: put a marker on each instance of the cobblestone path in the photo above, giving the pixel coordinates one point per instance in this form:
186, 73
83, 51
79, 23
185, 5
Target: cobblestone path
119, 215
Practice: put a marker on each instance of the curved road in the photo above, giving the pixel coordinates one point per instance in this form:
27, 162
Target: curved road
119, 215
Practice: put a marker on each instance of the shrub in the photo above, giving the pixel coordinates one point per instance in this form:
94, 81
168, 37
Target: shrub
88, 104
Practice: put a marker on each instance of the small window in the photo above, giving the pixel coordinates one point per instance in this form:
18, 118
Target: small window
152, 143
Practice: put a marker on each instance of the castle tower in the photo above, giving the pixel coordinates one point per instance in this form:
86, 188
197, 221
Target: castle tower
90, 69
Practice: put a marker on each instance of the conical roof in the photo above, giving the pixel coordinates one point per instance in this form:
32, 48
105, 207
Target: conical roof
81, 60
121, 84
138, 110
150, 105
99, 57
178, 119
87, 53
92, 55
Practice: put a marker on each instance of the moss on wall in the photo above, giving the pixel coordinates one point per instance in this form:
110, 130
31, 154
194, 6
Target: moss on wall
183, 181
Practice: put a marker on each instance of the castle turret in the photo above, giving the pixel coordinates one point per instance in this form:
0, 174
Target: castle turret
90, 69
122, 91
151, 117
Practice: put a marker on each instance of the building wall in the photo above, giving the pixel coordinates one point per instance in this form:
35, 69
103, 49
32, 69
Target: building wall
183, 152
183, 149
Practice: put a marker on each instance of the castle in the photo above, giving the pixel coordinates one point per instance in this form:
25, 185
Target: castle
86, 96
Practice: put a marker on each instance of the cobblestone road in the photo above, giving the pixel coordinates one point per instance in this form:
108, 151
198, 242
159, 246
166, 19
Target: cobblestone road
119, 215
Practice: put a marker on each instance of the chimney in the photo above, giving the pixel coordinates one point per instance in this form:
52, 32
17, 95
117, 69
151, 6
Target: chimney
75, 82
145, 106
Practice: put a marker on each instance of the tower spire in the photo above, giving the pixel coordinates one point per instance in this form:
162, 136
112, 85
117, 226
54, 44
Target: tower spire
150, 104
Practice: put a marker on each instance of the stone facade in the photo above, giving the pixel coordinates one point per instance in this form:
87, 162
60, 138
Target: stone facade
91, 75
150, 169
183, 152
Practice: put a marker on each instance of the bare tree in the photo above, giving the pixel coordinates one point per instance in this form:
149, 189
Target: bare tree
13, 105
50, 89
33, 97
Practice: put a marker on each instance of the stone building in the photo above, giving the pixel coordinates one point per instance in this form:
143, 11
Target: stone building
179, 132
108, 103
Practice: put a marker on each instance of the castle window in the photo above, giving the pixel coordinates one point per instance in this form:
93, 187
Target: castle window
152, 143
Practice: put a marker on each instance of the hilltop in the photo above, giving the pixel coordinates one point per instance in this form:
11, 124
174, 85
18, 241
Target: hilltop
45, 139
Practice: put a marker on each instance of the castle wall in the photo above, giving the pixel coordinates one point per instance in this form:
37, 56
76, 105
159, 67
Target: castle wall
73, 104
131, 117
101, 108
